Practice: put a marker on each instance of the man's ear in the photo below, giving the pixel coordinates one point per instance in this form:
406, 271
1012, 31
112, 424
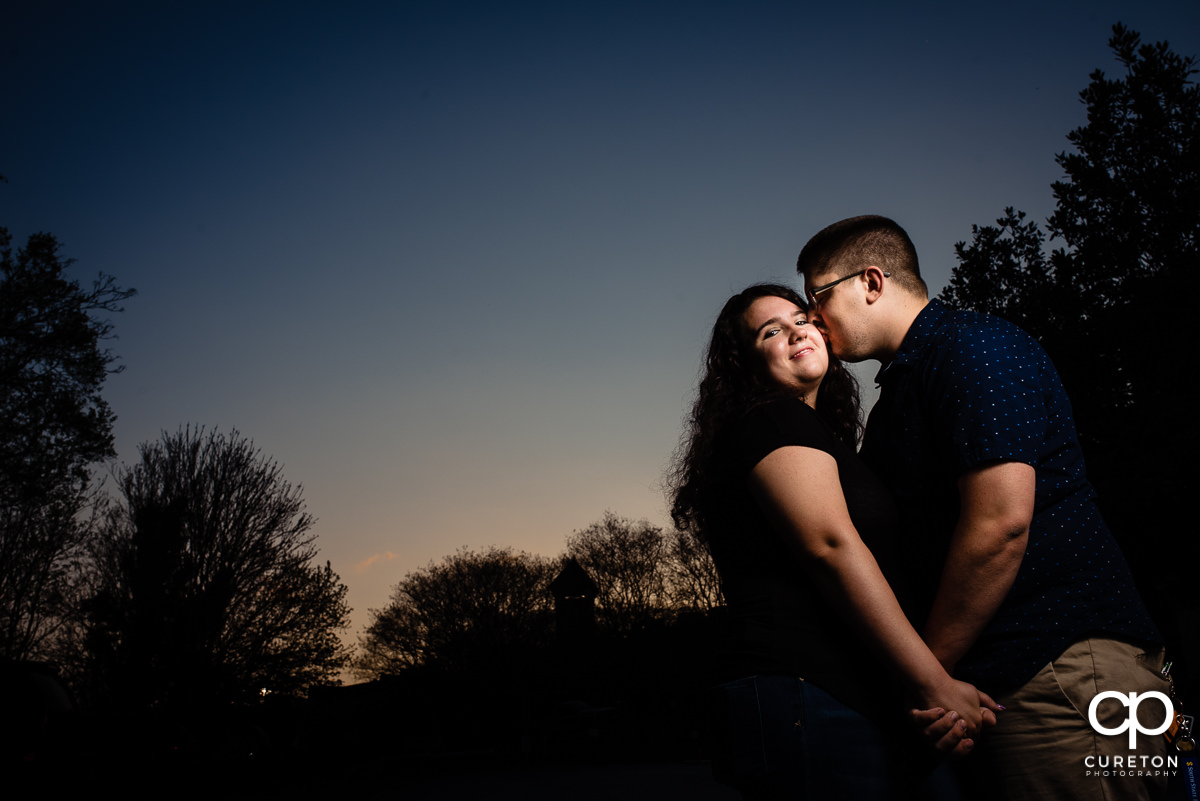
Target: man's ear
874, 278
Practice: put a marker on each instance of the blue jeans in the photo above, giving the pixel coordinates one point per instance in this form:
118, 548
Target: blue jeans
777, 737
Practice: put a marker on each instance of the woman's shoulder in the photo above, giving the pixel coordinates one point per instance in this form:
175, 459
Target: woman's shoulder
774, 424
787, 414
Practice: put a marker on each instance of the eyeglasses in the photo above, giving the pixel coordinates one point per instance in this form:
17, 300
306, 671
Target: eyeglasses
812, 293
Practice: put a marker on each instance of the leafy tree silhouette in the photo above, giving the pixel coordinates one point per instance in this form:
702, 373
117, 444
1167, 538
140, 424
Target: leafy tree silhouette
495, 606
54, 424
1128, 216
470, 609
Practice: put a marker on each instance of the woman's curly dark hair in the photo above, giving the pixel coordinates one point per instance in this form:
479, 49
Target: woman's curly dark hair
735, 380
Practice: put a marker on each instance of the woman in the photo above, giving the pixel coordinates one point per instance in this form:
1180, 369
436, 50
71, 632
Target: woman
818, 657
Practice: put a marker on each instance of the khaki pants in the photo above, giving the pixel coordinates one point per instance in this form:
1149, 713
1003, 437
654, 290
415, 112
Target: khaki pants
1044, 746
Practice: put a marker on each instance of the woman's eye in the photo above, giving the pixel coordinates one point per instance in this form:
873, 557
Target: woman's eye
770, 333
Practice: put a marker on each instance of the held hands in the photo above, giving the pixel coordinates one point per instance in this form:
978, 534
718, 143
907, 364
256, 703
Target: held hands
954, 713
945, 731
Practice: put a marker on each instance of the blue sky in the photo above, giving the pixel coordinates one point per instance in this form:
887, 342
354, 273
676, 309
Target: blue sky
453, 264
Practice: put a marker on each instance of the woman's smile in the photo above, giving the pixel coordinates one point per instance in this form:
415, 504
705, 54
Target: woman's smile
792, 349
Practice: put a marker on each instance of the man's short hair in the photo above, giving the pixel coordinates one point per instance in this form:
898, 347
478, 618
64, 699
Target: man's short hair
860, 242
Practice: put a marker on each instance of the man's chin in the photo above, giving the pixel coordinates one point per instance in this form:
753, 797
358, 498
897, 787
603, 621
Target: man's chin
843, 354
851, 358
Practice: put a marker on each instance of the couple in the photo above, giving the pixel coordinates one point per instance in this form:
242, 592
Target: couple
967, 512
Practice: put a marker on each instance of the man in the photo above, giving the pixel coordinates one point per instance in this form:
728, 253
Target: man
1026, 595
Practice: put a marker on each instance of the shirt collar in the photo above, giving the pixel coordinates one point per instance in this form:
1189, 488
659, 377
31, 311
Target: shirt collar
918, 338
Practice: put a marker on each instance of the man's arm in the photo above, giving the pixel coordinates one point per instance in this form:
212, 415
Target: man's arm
996, 508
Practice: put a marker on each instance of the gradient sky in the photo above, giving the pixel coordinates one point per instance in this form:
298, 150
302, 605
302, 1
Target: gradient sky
453, 264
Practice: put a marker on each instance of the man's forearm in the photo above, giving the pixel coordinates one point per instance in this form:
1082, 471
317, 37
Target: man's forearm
980, 569
984, 557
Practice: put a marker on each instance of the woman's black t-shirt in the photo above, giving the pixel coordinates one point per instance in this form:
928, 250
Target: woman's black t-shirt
776, 620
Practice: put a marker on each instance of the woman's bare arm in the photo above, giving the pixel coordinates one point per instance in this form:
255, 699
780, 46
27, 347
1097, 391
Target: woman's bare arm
799, 490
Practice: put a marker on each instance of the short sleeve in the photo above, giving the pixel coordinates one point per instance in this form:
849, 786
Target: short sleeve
773, 425
990, 399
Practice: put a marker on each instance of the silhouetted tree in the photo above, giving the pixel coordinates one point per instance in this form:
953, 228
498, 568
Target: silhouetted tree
470, 610
204, 586
628, 560
1128, 215
693, 582
1005, 271
54, 423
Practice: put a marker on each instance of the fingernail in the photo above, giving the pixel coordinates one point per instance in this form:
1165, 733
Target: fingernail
1000, 706
954, 716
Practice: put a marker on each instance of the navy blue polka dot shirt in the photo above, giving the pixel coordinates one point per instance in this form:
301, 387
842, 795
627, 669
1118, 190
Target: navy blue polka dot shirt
966, 389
